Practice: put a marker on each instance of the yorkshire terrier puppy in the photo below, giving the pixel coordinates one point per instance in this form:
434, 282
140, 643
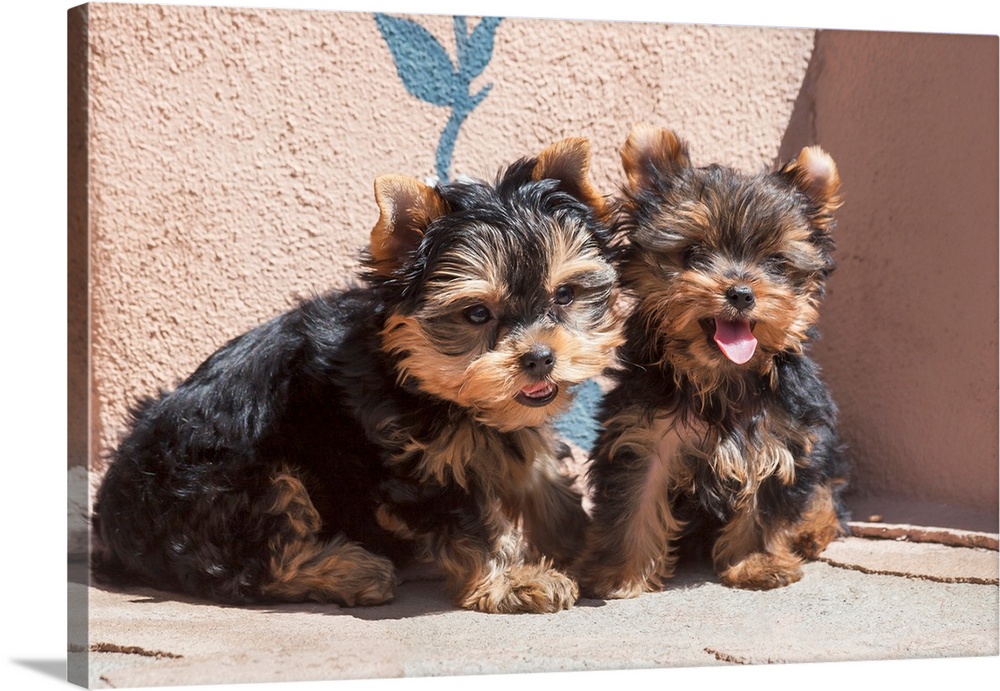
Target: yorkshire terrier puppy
408, 417
719, 432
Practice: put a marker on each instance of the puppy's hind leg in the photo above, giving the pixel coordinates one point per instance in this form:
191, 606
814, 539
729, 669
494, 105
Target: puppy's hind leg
819, 525
302, 567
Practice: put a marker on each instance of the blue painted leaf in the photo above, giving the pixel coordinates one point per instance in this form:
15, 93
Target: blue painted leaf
478, 98
421, 61
461, 39
479, 49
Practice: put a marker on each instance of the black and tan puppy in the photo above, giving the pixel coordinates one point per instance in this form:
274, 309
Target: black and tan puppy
720, 431
409, 417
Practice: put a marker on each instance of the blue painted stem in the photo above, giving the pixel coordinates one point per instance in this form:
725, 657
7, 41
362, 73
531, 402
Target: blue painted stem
446, 144
461, 109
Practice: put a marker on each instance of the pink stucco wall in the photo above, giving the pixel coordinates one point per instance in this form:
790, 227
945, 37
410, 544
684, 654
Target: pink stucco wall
232, 152
230, 156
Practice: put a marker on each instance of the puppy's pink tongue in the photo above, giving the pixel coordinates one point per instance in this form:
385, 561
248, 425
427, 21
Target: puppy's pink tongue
735, 340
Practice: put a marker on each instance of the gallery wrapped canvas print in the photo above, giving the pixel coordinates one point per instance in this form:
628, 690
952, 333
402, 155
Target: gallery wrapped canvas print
415, 345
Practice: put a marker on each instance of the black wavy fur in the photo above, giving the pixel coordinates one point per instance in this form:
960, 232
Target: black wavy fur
181, 506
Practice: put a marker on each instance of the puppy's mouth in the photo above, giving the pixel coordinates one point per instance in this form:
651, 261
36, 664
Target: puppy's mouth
537, 395
733, 337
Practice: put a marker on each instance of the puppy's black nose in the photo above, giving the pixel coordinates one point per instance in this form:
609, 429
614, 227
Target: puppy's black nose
740, 297
538, 361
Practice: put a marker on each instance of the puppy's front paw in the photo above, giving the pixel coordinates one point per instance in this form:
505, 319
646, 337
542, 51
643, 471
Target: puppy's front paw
602, 583
545, 591
532, 588
762, 571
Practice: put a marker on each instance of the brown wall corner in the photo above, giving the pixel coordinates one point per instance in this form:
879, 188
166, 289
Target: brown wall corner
909, 326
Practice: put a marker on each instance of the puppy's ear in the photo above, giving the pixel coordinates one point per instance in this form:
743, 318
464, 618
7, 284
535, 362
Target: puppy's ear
568, 161
815, 174
651, 155
406, 207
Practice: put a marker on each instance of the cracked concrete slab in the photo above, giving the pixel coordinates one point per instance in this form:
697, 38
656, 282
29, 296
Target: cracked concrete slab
916, 560
847, 607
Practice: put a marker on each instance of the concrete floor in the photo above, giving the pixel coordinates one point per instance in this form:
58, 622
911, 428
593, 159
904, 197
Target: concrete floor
866, 599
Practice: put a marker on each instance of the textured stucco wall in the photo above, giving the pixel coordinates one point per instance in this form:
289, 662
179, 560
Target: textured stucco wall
910, 325
232, 152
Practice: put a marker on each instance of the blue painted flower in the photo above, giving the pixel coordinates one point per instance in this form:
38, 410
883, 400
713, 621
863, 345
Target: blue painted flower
428, 73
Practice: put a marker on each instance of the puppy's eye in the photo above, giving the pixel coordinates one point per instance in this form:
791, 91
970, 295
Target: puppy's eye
776, 262
478, 314
563, 296
692, 255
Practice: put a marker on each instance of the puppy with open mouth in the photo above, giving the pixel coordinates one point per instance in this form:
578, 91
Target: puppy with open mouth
720, 433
